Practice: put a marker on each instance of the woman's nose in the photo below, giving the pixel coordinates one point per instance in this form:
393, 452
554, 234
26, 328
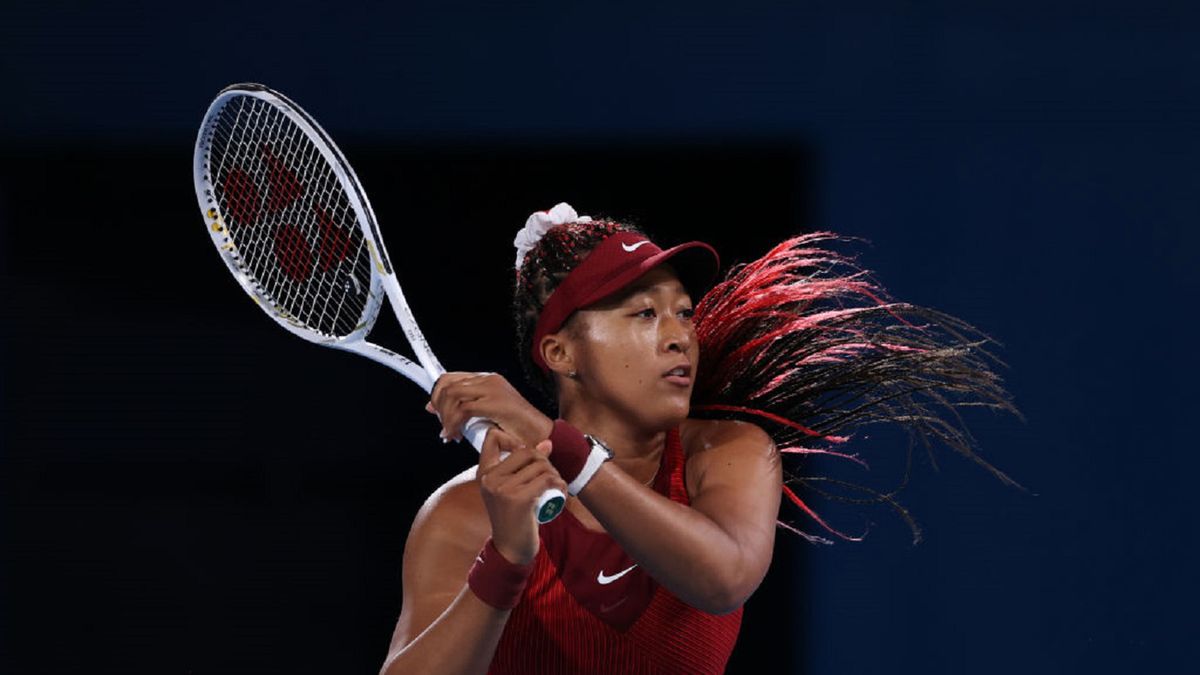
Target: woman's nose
678, 336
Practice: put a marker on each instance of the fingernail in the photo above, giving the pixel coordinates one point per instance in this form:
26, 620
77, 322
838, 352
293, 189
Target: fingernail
445, 440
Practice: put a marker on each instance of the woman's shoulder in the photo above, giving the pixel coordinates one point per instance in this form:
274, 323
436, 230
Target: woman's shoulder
455, 509
720, 449
700, 436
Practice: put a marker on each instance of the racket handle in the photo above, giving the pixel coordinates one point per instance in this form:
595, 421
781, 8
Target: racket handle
476, 430
549, 504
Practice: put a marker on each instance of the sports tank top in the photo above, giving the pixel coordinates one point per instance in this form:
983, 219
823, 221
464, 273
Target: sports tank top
589, 608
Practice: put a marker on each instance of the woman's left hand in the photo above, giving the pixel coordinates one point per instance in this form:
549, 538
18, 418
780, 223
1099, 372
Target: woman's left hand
457, 397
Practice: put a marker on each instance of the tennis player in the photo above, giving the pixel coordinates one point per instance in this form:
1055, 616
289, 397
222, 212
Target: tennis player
671, 521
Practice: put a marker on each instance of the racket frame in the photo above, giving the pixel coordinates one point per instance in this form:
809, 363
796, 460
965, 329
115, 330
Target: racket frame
383, 278
218, 231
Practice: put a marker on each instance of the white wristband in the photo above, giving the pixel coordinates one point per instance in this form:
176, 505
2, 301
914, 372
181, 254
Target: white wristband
598, 456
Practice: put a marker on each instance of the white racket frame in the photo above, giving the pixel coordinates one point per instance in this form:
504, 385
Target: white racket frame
383, 278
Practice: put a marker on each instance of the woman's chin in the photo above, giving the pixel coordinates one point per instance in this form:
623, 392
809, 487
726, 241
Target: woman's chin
672, 417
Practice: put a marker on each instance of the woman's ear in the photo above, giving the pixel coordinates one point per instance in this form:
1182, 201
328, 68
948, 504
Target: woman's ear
556, 352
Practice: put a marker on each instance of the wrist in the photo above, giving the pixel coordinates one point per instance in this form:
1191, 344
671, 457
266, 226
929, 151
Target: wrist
598, 455
539, 428
496, 580
510, 556
527, 423
576, 456
545, 427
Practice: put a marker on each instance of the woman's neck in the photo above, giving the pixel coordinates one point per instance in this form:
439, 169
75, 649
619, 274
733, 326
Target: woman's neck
628, 442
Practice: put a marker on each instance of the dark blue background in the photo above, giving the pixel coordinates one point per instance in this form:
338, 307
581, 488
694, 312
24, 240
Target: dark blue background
1029, 168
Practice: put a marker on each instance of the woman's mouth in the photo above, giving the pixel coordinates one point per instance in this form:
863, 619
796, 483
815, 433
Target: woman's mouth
680, 375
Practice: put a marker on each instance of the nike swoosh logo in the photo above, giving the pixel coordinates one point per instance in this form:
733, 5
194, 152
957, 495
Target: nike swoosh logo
603, 579
631, 249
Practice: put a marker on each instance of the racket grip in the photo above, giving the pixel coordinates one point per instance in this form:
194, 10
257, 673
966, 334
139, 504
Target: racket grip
549, 504
476, 430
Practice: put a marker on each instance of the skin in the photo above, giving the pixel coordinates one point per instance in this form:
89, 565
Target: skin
712, 553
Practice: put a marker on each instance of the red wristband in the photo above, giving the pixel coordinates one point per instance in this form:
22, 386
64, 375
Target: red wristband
495, 580
569, 451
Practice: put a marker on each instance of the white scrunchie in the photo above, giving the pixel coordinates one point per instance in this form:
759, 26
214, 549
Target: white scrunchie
539, 223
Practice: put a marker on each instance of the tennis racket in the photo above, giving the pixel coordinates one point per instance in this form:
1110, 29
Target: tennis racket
293, 225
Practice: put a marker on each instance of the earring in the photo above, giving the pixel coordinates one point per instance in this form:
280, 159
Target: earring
572, 374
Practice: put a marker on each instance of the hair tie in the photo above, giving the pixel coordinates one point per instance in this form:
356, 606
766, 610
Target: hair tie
538, 224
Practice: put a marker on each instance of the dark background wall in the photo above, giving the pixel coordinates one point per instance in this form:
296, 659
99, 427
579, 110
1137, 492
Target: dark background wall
185, 488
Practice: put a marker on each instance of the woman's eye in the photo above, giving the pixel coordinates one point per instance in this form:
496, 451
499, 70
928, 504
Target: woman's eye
647, 313
687, 313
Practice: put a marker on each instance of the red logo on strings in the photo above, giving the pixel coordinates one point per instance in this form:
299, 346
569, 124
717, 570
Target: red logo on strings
292, 251
285, 187
334, 242
241, 196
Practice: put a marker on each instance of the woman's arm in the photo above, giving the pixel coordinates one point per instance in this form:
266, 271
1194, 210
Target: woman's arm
444, 627
714, 553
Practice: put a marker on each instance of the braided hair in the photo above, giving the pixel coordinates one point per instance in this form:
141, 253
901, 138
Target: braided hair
804, 342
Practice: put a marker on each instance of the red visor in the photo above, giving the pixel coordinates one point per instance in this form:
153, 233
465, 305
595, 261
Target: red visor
616, 262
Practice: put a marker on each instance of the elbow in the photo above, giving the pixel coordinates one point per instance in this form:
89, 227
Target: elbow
722, 601
728, 592
725, 605
729, 589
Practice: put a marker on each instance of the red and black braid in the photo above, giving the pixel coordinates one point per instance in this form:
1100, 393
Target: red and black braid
805, 343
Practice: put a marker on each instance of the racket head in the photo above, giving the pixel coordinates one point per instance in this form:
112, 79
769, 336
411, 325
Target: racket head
288, 216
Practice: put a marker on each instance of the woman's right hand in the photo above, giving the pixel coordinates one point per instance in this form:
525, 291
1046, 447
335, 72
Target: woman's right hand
511, 487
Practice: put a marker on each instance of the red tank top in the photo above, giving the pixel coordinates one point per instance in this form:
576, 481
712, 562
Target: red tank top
588, 608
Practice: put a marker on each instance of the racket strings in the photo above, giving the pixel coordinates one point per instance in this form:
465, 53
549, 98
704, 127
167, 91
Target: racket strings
293, 227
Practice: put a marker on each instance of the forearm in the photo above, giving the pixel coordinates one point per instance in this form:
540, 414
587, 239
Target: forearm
680, 547
462, 640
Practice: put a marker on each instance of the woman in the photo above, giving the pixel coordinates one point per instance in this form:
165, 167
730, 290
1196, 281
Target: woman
672, 523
